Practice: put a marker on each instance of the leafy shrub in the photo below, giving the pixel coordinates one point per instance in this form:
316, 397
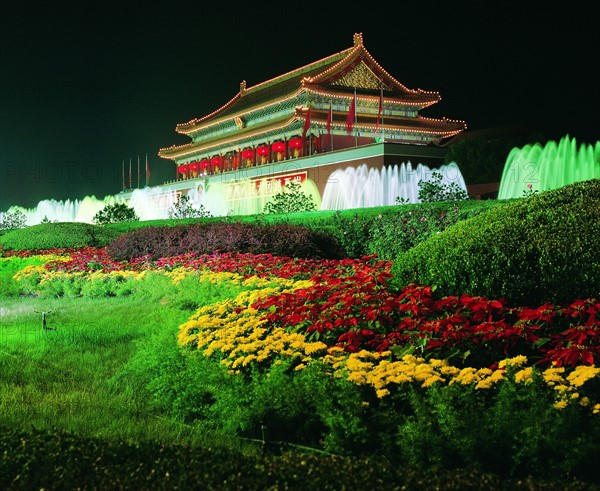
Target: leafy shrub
58, 235
512, 430
396, 229
436, 190
12, 220
535, 250
290, 200
8, 267
117, 212
183, 208
206, 238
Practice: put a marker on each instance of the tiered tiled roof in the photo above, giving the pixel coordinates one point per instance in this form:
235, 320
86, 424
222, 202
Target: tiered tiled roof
337, 77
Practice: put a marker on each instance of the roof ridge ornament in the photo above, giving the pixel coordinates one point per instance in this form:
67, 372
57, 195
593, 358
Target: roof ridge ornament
358, 39
242, 87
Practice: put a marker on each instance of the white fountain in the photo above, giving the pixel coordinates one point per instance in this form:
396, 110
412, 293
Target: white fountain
363, 187
353, 187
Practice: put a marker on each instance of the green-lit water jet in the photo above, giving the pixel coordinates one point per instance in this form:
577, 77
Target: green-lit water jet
541, 168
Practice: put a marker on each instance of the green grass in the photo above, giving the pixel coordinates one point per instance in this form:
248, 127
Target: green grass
64, 379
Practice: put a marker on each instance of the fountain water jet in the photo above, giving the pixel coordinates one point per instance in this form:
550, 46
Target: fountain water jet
348, 188
363, 187
63, 211
549, 167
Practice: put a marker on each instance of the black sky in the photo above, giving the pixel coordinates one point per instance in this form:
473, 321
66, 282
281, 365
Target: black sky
83, 88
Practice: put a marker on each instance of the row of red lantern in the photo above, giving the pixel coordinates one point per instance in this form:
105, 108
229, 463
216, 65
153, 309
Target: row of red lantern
277, 147
194, 168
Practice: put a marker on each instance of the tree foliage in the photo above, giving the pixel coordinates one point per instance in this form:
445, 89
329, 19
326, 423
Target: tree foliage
291, 199
436, 190
184, 208
12, 220
118, 212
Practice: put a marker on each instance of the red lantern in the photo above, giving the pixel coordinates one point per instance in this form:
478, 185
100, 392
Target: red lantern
215, 163
247, 153
194, 167
278, 147
183, 169
263, 151
204, 165
296, 142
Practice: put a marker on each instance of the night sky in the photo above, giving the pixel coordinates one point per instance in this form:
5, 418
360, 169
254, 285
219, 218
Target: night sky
84, 87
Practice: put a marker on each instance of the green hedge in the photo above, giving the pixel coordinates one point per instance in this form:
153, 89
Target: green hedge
541, 249
390, 231
50, 235
42, 460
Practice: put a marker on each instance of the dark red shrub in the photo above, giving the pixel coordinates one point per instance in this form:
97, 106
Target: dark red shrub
205, 238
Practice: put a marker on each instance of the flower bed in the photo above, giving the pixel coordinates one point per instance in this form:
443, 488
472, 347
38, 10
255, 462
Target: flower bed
327, 346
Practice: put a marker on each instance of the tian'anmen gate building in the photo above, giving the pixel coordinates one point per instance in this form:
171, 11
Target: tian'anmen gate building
337, 112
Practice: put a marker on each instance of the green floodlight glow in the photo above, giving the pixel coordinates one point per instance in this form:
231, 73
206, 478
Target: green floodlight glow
552, 166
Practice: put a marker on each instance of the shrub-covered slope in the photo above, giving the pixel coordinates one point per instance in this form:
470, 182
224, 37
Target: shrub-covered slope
542, 249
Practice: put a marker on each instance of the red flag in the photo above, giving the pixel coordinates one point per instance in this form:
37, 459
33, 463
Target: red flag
380, 110
306, 124
351, 115
147, 171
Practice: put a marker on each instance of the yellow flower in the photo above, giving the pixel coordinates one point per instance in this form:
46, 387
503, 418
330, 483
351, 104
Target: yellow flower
524, 376
596, 409
357, 378
561, 404
466, 376
516, 362
553, 376
489, 382
582, 374
584, 401
381, 393
432, 380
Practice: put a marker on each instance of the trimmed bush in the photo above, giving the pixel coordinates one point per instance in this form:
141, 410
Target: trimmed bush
62, 234
206, 238
535, 250
117, 212
394, 230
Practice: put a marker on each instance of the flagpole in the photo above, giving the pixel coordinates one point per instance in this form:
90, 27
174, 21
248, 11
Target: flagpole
329, 121
355, 133
382, 122
147, 172
129, 172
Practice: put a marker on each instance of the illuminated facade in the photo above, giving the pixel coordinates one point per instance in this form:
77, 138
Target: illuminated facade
342, 127
340, 102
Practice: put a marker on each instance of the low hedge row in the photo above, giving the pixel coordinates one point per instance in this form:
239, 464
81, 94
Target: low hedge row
58, 235
205, 238
542, 249
43, 460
